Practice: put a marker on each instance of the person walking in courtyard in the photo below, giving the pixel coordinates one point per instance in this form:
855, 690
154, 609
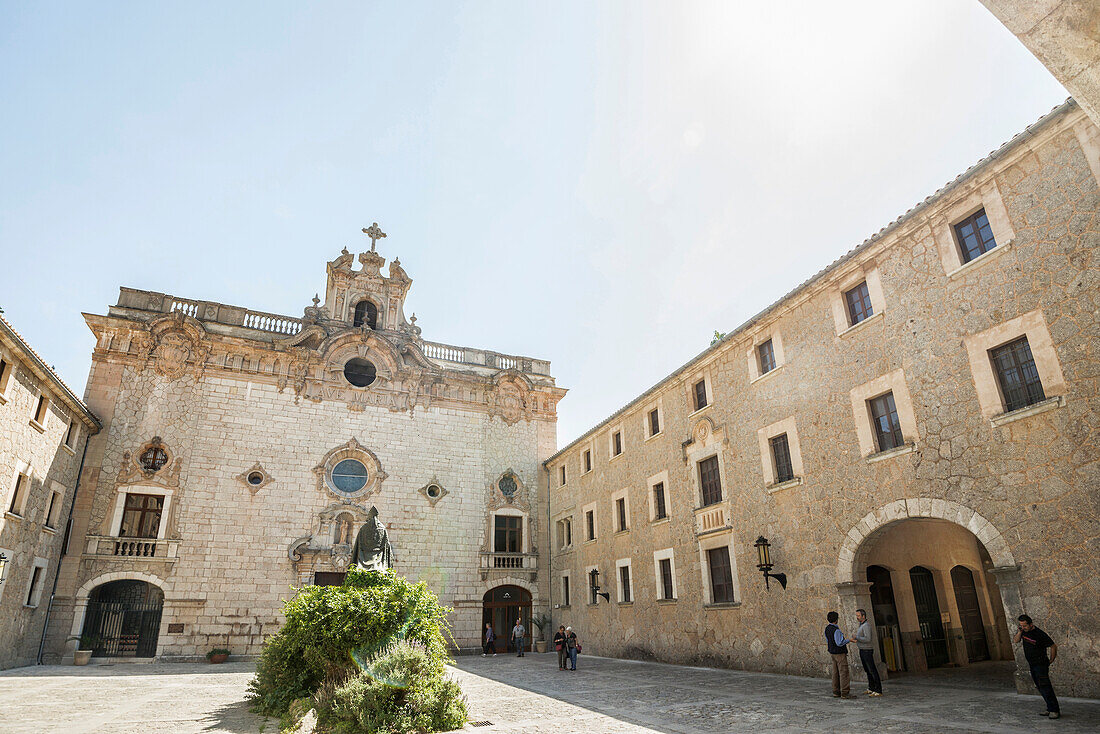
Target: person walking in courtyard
865, 642
518, 633
559, 645
572, 647
490, 641
837, 645
1035, 643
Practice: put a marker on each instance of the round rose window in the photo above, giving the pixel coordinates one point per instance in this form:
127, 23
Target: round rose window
349, 476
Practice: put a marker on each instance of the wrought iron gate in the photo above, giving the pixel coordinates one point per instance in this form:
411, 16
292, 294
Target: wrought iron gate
124, 628
928, 617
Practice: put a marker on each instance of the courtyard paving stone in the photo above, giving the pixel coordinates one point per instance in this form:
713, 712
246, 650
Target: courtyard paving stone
530, 695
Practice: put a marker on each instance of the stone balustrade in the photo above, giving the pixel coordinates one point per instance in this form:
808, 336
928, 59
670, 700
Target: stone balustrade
160, 549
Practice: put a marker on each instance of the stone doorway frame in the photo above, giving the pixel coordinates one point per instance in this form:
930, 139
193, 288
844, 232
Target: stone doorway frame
855, 594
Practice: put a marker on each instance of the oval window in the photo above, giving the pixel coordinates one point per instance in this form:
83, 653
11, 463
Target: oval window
433, 491
349, 476
359, 372
255, 478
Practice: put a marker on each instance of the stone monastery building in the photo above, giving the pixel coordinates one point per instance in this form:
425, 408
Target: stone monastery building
242, 451
914, 431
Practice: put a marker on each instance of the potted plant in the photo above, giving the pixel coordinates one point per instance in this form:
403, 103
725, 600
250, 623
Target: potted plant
218, 655
542, 621
83, 652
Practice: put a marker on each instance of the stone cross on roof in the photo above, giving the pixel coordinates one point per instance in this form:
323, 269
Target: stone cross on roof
374, 233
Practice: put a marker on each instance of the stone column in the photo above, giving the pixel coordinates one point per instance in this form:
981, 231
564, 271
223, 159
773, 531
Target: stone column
1009, 580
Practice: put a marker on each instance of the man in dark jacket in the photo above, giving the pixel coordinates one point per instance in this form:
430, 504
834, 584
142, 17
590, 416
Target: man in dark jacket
1035, 643
837, 645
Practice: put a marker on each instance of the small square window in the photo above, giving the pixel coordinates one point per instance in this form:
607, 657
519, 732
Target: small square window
1017, 375
766, 356
659, 511
884, 417
654, 422
710, 481
701, 394
617, 443
975, 236
781, 456
859, 304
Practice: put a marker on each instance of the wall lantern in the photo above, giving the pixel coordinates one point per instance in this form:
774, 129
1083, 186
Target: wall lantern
594, 582
764, 555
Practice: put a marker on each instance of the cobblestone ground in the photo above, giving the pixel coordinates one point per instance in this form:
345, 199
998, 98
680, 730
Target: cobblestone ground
530, 695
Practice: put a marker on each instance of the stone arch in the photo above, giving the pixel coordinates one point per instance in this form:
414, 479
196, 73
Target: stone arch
526, 585
855, 546
80, 600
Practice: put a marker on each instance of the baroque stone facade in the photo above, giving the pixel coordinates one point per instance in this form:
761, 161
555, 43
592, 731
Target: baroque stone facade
44, 428
862, 427
243, 450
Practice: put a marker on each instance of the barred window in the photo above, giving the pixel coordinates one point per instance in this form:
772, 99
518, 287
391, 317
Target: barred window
1017, 375
721, 575
710, 481
659, 512
781, 457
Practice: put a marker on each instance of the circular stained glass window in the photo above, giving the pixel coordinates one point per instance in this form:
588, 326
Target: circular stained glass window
359, 372
349, 476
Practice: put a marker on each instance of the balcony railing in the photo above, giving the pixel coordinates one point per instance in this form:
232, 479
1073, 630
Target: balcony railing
160, 549
507, 561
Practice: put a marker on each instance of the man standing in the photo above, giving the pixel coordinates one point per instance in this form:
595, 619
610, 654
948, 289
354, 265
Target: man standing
490, 641
1035, 643
837, 645
518, 633
865, 641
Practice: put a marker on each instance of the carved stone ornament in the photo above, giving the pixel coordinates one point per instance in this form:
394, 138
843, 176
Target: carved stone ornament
329, 546
508, 491
349, 483
178, 341
433, 491
255, 478
132, 470
511, 398
702, 430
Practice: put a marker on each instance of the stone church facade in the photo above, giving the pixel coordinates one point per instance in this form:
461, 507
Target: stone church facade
241, 452
913, 431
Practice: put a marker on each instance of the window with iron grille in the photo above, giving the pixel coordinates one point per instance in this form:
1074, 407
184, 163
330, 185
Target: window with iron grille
141, 516
617, 441
588, 460
859, 304
975, 236
884, 417
666, 578
590, 520
766, 356
565, 591
1017, 374
700, 394
624, 582
659, 512
654, 422
152, 459
563, 473
620, 508
509, 534
781, 458
721, 575
710, 481
366, 313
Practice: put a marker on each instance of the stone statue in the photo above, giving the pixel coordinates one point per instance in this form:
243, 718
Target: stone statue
372, 550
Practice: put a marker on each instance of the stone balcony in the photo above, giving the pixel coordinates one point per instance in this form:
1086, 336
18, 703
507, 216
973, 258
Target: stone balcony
509, 564
144, 549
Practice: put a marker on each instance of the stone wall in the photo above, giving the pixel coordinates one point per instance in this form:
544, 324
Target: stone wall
37, 449
1024, 483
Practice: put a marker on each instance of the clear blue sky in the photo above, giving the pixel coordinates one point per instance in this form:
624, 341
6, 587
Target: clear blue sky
599, 184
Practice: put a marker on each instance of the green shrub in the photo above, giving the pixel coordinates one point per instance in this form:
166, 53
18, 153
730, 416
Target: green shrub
401, 689
331, 631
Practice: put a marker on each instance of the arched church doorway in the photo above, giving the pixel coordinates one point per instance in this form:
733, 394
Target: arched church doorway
933, 591
502, 606
123, 619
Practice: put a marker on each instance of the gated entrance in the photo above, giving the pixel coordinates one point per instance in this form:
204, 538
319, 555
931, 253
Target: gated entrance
928, 617
503, 606
970, 614
123, 619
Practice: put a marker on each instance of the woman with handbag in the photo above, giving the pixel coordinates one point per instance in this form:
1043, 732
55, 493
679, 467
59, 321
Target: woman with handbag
559, 645
572, 646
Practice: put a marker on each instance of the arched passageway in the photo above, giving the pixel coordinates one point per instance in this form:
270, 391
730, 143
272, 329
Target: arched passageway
502, 606
123, 619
